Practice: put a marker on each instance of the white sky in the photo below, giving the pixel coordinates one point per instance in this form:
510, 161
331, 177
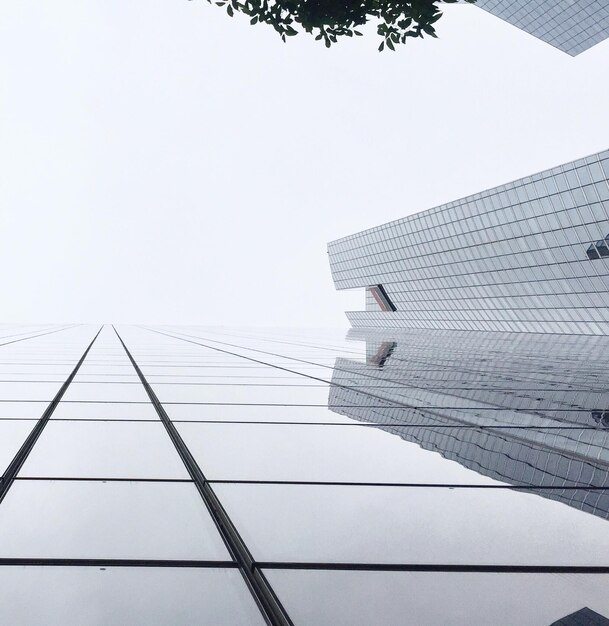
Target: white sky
163, 163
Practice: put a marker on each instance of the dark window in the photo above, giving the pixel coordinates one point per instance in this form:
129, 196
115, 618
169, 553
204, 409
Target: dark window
382, 299
602, 248
592, 252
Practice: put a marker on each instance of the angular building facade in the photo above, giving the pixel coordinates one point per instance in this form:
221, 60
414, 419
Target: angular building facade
528, 256
569, 25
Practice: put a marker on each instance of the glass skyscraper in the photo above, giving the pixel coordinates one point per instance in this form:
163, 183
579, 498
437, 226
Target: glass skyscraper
528, 256
165, 475
569, 25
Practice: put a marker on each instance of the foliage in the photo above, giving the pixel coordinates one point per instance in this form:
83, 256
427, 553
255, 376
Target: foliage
327, 20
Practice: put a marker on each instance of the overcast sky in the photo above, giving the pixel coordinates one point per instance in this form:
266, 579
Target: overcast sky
161, 162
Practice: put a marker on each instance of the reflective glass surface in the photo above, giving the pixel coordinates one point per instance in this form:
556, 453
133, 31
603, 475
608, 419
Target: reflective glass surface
254, 413
129, 520
85, 595
23, 409
104, 449
193, 475
459, 599
12, 436
512, 258
569, 25
443, 525
242, 394
105, 411
316, 453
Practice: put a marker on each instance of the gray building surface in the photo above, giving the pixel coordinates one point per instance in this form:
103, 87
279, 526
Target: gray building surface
524, 410
186, 475
569, 25
528, 256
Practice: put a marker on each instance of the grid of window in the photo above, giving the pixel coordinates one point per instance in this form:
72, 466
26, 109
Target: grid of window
513, 258
190, 475
569, 25
505, 434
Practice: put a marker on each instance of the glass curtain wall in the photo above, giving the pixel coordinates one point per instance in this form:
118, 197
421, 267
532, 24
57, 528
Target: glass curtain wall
188, 475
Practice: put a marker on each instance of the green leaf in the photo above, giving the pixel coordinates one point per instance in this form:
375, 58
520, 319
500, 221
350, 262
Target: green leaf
331, 20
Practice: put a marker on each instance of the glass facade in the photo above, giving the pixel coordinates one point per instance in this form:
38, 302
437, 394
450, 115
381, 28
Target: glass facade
528, 256
529, 415
569, 25
165, 475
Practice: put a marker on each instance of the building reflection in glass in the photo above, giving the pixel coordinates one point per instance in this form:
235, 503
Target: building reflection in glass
527, 410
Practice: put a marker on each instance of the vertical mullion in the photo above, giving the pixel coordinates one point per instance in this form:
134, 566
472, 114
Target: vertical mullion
19, 459
270, 606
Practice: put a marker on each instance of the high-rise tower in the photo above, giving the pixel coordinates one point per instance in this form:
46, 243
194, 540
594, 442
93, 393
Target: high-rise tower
528, 256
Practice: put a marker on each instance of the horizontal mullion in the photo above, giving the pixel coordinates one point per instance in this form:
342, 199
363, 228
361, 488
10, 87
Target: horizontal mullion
323, 483
433, 567
519, 487
297, 423
104, 479
69, 562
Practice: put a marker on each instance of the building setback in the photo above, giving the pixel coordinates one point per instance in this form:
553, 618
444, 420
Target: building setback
528, 256
569, 25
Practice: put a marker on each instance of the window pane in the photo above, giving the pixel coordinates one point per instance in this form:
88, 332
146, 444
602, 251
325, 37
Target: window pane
28, 391
108, 392
253, 413
412, 525
317, 453
102, 410
428, 599
74, 519
236, 394
72, 596
12, 435
104, 449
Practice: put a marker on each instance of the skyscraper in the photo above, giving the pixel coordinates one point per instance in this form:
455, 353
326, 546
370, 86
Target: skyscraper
569, 25
163, 475
528, 256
